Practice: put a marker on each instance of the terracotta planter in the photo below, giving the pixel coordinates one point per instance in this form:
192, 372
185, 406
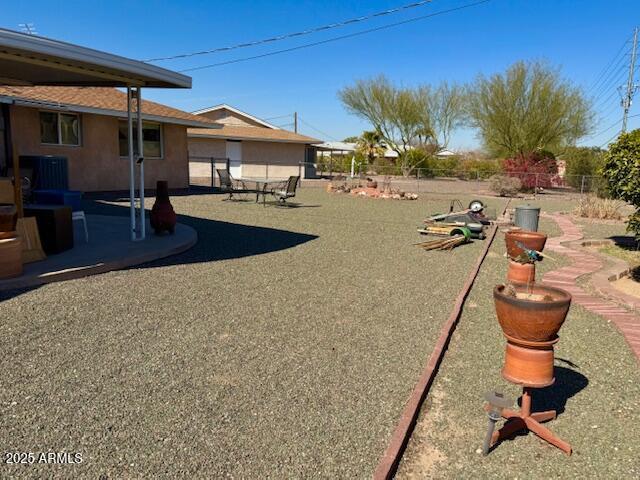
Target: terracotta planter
531, 240
521, 272
535, 320
8, 217
529, 363
163, 218
10, 257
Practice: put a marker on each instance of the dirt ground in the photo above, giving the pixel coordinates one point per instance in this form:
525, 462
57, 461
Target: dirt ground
596, 395
284, 344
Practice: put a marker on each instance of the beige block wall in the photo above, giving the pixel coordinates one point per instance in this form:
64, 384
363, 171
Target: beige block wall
283, 159
259, 159
96, 164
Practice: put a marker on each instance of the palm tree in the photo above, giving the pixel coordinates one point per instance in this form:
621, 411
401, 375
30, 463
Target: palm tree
369, 146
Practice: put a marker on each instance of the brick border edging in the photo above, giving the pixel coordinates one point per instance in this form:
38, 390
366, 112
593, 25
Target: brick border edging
601, 281
584, 263
388, 463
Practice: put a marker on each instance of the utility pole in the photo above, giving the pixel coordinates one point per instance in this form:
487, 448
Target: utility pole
295, 122
631, 87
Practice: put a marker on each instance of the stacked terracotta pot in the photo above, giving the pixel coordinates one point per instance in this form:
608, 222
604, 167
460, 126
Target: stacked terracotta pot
529, 313
519, 271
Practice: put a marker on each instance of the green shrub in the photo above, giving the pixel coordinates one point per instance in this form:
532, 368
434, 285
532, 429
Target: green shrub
504, 185
622, 171
482, 168
445, 167
584, 161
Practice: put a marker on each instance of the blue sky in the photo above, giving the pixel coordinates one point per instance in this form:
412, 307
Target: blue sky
581, 37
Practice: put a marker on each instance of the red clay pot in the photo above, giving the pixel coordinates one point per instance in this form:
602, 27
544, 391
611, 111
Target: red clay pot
521, 272
528, 319
531, 240
163, 217
529, 363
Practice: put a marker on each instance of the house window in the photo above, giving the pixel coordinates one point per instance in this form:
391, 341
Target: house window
151, 139
60, 128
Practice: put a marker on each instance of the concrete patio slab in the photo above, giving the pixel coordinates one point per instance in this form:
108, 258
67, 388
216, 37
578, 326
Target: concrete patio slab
109, 248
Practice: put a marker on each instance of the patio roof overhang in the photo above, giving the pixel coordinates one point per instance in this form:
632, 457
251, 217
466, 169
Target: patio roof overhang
30, 60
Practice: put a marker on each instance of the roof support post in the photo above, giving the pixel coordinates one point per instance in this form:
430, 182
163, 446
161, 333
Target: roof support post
132, 171
140, 162
138, 231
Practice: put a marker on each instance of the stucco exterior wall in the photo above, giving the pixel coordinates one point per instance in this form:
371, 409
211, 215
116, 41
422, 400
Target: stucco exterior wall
207, 148
231, 118
96, 164
259, 159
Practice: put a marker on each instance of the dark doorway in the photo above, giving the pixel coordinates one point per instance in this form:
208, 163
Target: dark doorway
4, 141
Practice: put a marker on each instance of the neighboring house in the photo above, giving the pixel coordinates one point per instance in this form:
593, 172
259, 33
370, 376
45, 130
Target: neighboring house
446, 154
330, 149
88, 126
253, 147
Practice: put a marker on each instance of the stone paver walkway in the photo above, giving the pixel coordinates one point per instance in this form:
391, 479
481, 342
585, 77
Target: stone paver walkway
583, 264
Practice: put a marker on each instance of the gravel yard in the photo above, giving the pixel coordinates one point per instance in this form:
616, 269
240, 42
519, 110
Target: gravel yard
597, 395
284, 344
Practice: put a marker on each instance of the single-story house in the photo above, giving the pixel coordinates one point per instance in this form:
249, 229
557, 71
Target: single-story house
446, 154
253, 147
87, 125
330, 149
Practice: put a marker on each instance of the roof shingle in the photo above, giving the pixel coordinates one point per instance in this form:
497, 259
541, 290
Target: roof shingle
251, 133
101, 98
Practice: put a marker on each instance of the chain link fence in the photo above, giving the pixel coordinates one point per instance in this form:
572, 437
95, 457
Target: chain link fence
202, 172
451, 180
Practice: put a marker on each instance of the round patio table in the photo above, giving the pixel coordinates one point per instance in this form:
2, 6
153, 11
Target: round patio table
262, 184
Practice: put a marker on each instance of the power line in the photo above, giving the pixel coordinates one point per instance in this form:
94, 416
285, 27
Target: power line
604, 88
606, 114
606, 100
606, 129
290, 124
609, 64
317, 130
334, 39
616, 135
280, 116
608, 141
297, 34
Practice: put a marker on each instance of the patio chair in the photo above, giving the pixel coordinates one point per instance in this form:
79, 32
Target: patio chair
286, 189
229, 185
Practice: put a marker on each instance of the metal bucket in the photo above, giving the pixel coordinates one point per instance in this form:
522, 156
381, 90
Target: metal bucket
527, 217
